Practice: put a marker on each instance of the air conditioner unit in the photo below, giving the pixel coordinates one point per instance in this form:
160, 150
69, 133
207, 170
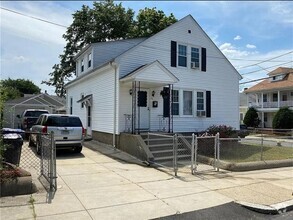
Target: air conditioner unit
200, 113
193, 65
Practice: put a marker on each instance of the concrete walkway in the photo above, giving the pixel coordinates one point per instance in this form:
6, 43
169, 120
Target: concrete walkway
109, 184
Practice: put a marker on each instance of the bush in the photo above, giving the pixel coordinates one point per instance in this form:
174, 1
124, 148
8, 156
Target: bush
251, 118
225, 131
283, 119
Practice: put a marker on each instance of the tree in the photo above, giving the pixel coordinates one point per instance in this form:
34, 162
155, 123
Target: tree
14, 88
106, 21
150, 21
251, 118
283, 119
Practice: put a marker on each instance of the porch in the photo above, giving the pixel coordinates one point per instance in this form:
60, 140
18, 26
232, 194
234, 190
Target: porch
146, 100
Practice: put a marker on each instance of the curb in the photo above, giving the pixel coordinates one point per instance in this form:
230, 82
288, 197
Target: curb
271, 209
247, 166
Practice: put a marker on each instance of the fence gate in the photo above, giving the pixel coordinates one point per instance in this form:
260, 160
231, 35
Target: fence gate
48, 162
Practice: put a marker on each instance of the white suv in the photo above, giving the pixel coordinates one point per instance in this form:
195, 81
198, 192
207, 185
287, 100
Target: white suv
68, 131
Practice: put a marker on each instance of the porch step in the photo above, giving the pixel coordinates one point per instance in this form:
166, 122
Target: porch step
160, 145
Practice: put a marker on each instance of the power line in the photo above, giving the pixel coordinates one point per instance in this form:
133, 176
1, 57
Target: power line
39, 19
266, 60
265, 68
255, 80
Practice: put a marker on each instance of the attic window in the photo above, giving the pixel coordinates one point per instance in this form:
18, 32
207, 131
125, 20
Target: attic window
89, 60
189, 31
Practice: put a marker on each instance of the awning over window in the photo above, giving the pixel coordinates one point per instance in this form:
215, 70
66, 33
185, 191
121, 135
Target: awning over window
87, 100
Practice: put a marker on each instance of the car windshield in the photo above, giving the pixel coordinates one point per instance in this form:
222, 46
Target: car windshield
35, 114
63, 121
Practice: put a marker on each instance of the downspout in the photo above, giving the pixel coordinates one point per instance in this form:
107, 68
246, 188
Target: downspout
114, 65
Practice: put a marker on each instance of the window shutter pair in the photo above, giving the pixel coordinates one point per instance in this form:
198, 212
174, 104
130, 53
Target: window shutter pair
174, 56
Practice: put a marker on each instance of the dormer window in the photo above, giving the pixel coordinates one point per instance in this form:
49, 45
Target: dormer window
89, 60
277, 78
82, 65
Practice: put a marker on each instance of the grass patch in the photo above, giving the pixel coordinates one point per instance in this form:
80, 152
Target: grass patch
237, 152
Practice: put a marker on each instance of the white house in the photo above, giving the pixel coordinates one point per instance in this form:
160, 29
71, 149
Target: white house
124, 86
269, 95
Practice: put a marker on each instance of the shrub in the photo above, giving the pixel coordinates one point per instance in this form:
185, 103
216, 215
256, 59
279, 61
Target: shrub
225, 131
251, 118
283, 119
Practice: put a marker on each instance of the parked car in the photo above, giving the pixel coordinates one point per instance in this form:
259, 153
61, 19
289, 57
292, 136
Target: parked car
29, 117
68, 131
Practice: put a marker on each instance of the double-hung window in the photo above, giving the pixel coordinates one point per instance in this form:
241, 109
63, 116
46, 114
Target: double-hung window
175, 102
187, 102
182, 55
82, 65
194, 57
89, 60
265, 97
200, 101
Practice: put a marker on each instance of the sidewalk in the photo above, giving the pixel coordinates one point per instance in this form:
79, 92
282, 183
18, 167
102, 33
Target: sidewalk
109, 184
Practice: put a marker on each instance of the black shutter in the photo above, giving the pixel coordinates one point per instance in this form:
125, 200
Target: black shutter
208, 104
173, 53
142, 99
203, 59
166, 102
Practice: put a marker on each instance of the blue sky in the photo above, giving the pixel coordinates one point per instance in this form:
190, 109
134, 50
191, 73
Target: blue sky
246, 32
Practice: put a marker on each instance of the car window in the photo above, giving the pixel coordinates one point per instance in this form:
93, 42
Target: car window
35, 114
39, 120
63, 121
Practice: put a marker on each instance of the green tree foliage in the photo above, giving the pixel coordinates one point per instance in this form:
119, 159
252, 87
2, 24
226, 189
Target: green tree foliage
251, 118
150, 21
283, 119
14, 88
105, 21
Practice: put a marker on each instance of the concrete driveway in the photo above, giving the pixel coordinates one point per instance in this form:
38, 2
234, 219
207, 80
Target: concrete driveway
109, 184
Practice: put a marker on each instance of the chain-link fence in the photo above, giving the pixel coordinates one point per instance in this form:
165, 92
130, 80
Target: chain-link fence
37, 159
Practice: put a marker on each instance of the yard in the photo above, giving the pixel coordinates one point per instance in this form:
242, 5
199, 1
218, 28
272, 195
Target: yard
248, 152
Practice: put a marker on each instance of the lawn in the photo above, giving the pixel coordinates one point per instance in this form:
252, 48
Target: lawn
238, 152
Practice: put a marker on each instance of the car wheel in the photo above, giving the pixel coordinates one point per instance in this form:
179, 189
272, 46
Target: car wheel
30, 142
78, 149
38, 148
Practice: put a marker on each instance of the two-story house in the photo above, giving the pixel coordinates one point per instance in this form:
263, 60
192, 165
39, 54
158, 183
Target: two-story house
174, 81
271, 94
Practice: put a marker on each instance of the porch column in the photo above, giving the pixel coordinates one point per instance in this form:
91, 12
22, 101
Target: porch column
262, 100
262, 119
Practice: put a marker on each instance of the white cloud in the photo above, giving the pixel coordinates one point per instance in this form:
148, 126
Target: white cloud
237, 37
250, 46
20, 59
233, 52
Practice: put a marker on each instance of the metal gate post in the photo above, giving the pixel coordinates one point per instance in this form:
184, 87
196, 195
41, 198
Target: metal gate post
195, 152
218, 151
175, 152
192, 154
215, 151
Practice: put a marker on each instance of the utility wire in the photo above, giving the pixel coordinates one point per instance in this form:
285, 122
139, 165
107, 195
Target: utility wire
255, 80
39, 19
267, 60
265, 68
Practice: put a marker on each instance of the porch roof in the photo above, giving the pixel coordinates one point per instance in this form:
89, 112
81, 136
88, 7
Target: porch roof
152, 73
87, 100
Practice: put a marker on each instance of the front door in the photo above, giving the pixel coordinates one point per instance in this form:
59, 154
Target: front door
143, 110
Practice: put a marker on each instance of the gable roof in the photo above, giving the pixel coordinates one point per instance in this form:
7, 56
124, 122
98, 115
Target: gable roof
39, 99
280, 70
267, 84
162, 75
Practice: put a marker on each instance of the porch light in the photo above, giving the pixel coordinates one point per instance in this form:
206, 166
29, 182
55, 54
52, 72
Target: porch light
153, 93
130, 91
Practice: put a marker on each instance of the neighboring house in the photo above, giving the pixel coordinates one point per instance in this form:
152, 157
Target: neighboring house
243, 107
17, 106
174, 81
271, 94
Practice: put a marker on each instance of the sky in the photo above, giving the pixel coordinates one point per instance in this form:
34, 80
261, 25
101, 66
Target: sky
256, 37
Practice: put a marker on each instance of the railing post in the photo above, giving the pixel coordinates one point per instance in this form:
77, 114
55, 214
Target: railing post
51, 160
195, 151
